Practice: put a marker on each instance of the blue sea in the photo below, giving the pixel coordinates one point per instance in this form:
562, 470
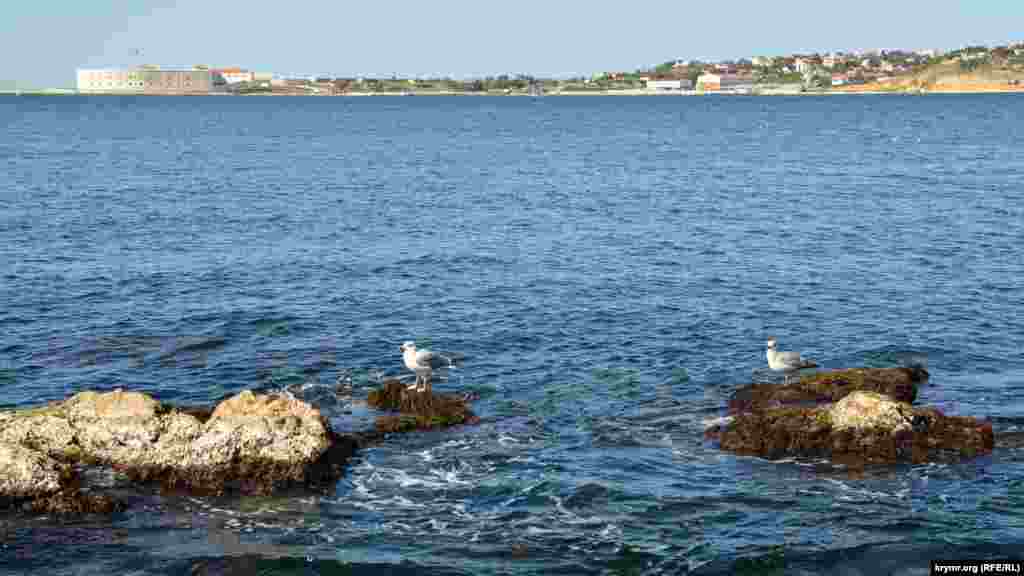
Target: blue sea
609, 267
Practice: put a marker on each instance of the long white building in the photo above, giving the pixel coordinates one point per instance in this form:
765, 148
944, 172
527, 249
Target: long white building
144, 80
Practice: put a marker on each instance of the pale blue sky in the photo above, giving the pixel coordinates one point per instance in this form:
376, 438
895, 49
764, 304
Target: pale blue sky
43, 41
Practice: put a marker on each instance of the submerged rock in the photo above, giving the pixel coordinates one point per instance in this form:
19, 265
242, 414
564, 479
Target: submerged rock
417, 410
250, 443
830, 386
863, 427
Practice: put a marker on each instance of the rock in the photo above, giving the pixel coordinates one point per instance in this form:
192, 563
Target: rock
866, 410
74, 502
43, 430
31, 480
27, 473
250, 405
861, 428
109, 406
113, 426
417, 410
830, 386
250, 443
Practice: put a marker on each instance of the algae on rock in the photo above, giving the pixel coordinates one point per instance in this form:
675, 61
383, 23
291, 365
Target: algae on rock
830, 386
417, 410
862, 428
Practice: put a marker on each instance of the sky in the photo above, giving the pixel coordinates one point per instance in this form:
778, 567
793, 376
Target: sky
42, 42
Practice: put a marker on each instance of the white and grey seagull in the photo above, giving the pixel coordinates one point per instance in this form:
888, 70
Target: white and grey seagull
422, 362
788, 362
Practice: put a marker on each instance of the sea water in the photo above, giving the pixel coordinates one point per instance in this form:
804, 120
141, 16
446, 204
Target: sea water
609, 267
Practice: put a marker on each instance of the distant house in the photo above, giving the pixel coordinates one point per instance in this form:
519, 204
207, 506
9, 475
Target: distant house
832, 60
232, 75
804, 65
664, 85
840, 79
711, 82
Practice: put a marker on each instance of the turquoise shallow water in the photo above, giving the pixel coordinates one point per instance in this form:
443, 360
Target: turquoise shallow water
609, 267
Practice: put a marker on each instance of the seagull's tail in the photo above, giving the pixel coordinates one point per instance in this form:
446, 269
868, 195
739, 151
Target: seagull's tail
807, 363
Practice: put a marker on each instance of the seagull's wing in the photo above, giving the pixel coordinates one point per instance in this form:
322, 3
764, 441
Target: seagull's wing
792, 360
442, 360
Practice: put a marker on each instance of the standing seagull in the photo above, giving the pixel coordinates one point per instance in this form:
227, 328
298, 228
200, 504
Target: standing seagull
788, 362
419, 361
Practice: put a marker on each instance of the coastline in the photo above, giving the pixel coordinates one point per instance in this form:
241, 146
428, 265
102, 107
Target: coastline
851, 90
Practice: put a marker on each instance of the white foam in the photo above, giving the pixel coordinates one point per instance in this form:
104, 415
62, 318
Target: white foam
720, 421
851, 492
505, 440
611, 531
449, 476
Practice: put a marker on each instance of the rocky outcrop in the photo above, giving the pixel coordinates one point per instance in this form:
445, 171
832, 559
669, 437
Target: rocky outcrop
417, 410
31, 480
26, 474
830, 386
862, 427
250, 443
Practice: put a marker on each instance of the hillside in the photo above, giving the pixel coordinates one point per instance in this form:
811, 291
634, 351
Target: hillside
951, 76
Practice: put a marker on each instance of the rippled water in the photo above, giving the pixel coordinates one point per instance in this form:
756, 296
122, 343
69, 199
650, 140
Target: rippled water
610, 267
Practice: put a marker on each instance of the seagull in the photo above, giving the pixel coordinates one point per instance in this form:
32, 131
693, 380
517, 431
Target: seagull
789, 362
420, 362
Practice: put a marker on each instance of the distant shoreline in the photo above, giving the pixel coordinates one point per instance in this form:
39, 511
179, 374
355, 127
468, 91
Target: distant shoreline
633, 92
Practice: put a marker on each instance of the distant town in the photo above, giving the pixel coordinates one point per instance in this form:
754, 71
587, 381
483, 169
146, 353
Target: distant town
968, 69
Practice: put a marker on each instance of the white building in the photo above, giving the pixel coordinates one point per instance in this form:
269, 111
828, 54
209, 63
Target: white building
804, 65
832, 60
668, 85
143, 80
